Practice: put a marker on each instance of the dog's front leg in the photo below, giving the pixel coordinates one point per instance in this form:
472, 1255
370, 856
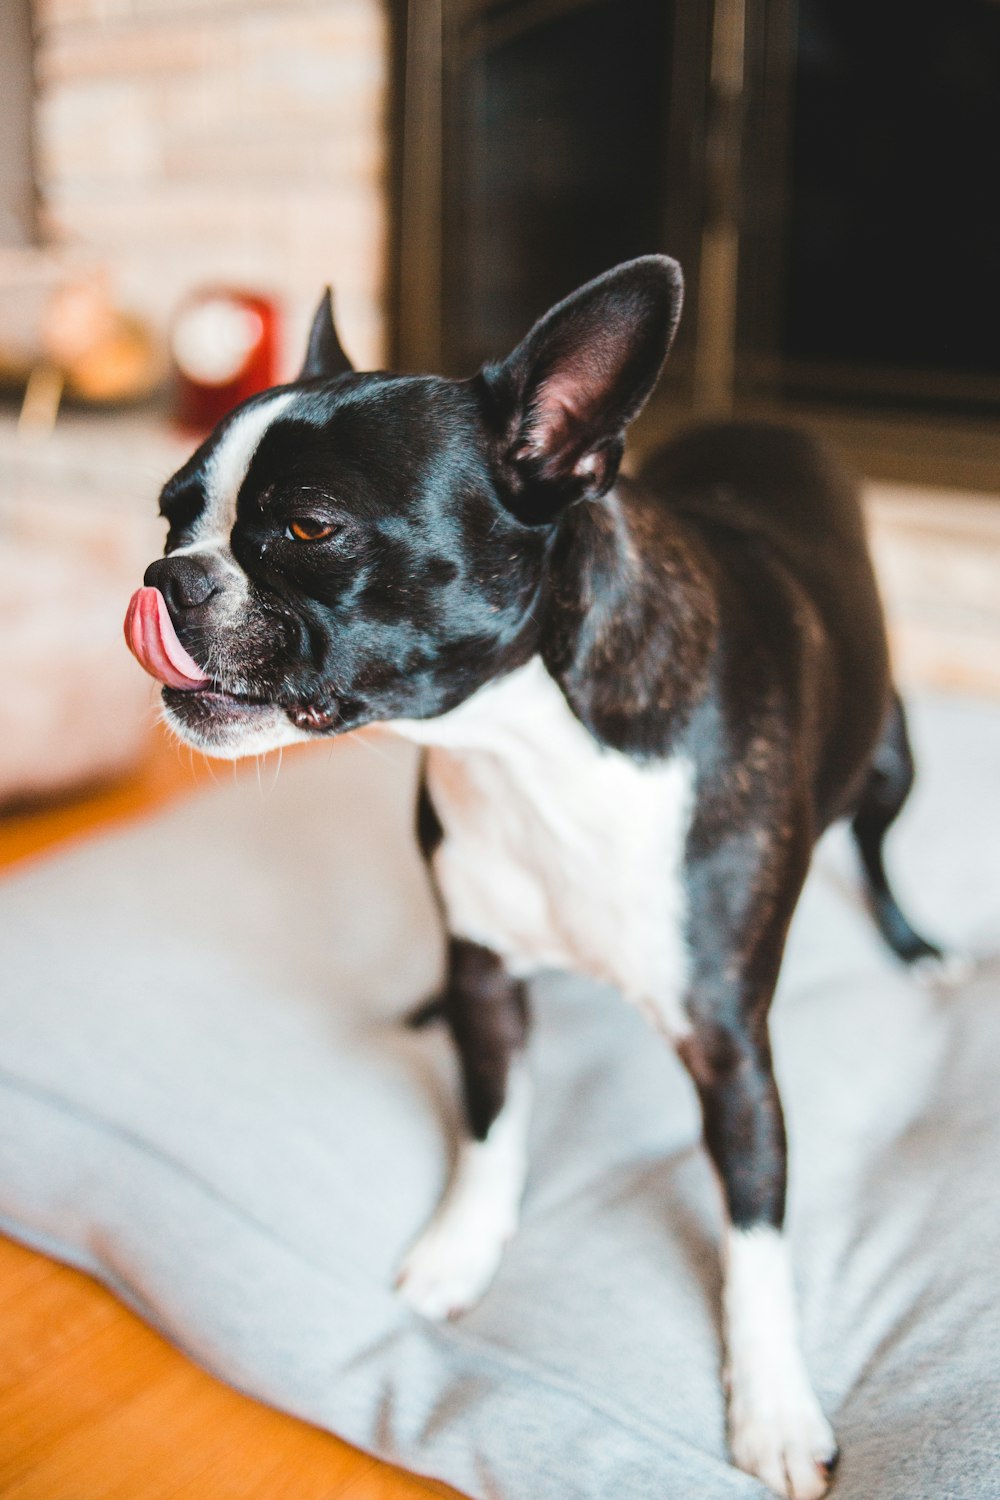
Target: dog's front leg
455, 1259
776, 1428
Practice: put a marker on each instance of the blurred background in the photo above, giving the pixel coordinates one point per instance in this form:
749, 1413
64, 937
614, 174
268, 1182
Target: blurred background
179, 179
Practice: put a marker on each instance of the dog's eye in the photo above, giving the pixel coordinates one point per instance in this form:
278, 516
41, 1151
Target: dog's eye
308, 529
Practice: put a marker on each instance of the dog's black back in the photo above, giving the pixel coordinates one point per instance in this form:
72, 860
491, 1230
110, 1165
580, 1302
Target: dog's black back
783, 524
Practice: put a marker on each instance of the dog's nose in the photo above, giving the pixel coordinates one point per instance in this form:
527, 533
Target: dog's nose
185, 582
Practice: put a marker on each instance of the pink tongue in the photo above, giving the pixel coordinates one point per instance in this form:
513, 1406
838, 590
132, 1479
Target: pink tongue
152, 639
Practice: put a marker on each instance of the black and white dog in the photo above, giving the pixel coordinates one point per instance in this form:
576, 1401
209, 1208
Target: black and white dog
642, 703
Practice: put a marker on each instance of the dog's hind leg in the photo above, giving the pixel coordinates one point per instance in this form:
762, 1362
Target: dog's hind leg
456, 1257
883, 795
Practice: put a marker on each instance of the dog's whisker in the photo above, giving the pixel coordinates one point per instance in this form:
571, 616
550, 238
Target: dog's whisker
278, 762
364, 737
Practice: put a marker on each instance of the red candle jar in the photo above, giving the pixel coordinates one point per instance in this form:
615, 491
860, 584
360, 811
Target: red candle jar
224, 344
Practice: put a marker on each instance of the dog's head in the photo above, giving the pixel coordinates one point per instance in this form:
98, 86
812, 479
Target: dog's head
356, 548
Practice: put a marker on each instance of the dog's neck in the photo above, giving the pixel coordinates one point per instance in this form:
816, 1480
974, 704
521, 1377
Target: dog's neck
624, 634
631, 621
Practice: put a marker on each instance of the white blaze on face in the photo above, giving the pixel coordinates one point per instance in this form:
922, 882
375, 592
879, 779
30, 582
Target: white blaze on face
225, 472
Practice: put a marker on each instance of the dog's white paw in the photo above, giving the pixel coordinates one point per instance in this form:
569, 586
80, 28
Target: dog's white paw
776, 1428
788, 1444
455, 1259
451, 1266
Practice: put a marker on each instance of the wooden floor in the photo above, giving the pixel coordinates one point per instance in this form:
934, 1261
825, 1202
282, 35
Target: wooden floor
93, 1404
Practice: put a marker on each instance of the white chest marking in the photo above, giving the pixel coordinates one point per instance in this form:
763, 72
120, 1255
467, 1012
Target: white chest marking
559, 852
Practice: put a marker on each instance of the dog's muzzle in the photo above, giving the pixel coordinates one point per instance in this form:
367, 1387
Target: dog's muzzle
153, 641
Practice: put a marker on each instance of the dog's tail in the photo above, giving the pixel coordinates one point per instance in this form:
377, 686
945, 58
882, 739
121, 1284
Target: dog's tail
887, 788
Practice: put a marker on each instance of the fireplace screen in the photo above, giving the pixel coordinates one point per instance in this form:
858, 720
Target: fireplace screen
554, 164
891, 235
825, 170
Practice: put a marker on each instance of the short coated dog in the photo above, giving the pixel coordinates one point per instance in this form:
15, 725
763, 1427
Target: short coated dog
642, 702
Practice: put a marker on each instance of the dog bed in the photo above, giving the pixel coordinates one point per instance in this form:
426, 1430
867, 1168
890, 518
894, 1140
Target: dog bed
207, 1099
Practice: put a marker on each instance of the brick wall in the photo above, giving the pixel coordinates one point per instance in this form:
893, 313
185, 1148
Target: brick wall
189, 141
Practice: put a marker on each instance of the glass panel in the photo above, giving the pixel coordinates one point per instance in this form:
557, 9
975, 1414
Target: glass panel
555, 151
895, 211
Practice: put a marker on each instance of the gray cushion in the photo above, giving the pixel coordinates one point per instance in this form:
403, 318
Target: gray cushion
207, 1100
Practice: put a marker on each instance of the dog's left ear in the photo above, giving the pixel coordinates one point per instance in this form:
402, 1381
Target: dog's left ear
324, 355
564, 398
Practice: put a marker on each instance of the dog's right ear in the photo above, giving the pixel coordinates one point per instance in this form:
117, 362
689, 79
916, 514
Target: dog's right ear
324, 355
561, 402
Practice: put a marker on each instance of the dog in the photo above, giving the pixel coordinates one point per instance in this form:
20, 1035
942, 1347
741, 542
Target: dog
640, 700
